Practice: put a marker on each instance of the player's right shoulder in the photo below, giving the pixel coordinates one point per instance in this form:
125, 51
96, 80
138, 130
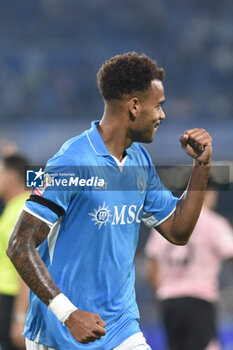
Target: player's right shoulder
72, 152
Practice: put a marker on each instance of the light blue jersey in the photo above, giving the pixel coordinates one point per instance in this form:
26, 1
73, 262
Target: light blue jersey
90, 249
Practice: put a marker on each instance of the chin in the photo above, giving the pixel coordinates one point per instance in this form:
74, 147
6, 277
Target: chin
148, 139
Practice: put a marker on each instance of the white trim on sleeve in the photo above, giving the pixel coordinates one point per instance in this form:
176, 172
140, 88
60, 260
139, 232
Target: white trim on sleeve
151, 221
164, 219
49, 223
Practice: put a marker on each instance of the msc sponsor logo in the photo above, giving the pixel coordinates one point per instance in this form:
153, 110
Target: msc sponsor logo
126, 214
101, 215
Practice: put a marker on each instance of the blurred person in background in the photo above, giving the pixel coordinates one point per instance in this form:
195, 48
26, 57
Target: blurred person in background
13, 291
185, 278
7, 148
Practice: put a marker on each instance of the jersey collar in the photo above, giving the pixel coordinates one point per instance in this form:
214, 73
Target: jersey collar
96, 141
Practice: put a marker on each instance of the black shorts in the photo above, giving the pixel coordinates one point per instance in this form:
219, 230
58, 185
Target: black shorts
6, 305
190, 323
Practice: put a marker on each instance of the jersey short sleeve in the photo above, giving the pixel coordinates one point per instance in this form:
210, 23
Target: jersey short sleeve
52, 200
159, 203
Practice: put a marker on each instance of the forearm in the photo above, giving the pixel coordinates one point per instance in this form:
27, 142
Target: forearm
197, 143
22, 251
35, 274
179, 226
189, 206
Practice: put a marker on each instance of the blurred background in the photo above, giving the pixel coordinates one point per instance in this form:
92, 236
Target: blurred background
50, 52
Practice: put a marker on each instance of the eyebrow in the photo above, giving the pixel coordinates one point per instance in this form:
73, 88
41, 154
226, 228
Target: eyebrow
162, 102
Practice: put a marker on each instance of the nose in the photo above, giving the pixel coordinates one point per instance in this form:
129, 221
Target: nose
162, 114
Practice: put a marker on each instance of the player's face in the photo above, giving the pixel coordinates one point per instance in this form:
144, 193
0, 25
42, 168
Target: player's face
151, 113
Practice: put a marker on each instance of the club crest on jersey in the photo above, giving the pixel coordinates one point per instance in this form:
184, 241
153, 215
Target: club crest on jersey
101, 215
141, 184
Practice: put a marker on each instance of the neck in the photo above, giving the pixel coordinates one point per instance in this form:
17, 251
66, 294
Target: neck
113, 130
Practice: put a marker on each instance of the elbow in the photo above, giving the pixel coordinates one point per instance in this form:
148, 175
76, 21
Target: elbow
181, 238
181, 242
12, 249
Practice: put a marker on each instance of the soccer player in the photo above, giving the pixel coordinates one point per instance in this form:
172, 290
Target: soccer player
75, 248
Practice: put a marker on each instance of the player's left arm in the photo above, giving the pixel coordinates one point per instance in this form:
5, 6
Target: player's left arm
197, 143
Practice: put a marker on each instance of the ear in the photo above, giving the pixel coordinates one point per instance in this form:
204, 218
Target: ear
134, 107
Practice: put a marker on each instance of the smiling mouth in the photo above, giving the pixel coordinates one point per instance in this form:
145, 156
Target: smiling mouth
157, 125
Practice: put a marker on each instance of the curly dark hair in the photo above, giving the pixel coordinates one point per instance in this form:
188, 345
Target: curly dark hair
126, 74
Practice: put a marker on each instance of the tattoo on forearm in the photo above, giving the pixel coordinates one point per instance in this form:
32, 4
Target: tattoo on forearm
28, 234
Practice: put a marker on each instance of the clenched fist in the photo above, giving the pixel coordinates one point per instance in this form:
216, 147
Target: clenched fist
197, 143
85, 326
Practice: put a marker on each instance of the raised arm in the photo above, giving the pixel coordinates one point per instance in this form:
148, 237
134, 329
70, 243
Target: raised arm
29, 232
197, 143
